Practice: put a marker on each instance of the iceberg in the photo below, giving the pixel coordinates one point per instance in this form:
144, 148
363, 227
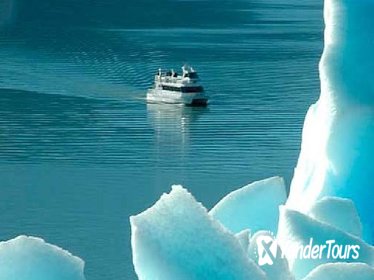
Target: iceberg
338, 212
297, 230
342, 271
337, 151
254, 207
32, 259
177, 239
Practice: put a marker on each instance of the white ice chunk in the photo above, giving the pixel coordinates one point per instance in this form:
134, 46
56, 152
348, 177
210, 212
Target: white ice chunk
254, 207
342, 271
296, 229
30, 258
177, 239
337, 151
276, 266
338, 212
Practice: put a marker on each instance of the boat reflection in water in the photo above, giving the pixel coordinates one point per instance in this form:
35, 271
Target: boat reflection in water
172, 122
172, 126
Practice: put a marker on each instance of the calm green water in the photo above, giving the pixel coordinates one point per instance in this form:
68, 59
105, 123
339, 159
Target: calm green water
81, 151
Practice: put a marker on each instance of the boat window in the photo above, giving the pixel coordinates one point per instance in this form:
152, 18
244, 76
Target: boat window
192, 89
171, 88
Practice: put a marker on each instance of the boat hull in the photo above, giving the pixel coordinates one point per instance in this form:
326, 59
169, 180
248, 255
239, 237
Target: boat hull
165, 96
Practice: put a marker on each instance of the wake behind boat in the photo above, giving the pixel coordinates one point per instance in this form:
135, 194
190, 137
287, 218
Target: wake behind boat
170, 87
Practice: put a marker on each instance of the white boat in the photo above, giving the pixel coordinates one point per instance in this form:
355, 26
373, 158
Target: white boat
170, 87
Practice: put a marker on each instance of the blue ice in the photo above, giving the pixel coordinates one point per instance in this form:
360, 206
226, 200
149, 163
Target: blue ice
30, 258
177, 239
337, 151
254, 207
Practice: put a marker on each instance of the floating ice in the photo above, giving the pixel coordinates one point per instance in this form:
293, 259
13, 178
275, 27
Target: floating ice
30, 258
278, 268
338, 212
296, 229
337, 151
253, 207
342, 271
177, 239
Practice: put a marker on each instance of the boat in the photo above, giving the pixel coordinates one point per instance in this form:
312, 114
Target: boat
171, 87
